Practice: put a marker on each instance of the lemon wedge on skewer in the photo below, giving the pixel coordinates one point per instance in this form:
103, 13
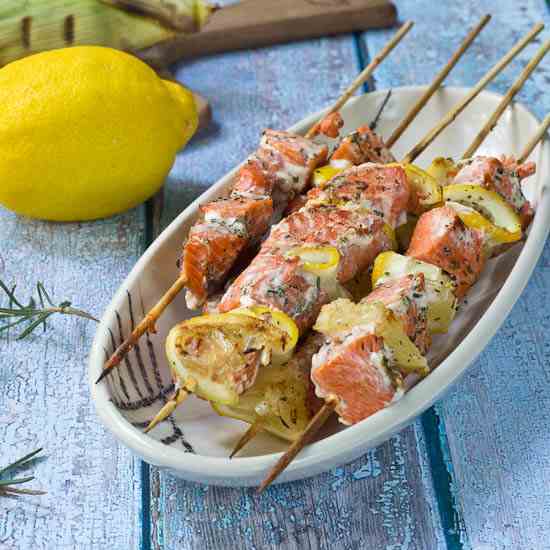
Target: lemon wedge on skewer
425, 186
325, 173
223, 352
443, 170
485, 210
439, 287
322, 261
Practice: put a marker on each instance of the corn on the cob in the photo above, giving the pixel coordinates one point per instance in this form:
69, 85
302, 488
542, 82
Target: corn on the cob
31, 26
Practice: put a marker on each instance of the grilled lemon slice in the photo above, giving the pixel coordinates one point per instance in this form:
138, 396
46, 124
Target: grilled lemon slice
277, 401
439, 287
443, 170
341, 316
325, 173
487, 211
427, 190
322, 261
223, 353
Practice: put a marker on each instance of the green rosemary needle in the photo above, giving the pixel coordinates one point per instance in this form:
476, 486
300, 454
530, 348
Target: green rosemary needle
35, 313
7, 485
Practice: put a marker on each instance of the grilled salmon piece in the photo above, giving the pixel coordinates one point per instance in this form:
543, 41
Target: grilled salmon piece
271, 177
207, 257
358, 234
299, 201
331, 125
383, 189
406, 297
504, 177
356, 373
442, 239
362, 145
228, 227
277, 282
254, 179
247, 217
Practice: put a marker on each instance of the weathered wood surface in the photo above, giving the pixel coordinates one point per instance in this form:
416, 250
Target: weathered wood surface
494, 426
93, 484
487, 443
382, 500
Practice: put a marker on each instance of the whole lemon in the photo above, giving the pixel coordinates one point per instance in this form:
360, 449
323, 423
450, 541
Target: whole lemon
87, 132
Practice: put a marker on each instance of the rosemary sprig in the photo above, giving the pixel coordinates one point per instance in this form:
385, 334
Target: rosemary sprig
7, 486
35, 313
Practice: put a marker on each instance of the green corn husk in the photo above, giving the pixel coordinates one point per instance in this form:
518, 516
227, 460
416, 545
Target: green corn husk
32, 26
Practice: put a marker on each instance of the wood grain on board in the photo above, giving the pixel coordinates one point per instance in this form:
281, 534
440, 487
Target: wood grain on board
254, 23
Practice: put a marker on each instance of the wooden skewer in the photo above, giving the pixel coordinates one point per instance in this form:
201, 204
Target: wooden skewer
329, 406
417, 107
365, 74
540, 134
457, 109
148, 323
178, 397
411, 115
315, 424
254, 429
507, 99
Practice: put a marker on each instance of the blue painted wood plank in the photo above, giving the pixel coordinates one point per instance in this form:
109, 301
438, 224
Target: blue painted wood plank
493, 436
93, 484
383, 499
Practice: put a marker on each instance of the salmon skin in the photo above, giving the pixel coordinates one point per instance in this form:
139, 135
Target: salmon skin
442, 239
355, 371
362, 145
383, 189
503, 176
406, 297
279, 170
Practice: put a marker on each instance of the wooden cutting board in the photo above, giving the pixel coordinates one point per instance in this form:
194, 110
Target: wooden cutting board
254, 23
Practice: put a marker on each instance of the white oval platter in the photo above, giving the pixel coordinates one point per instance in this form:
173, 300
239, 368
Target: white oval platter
195, 443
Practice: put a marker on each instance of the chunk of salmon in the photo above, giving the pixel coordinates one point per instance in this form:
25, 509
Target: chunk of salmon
296, 156
383, 189
503, 176
255, 179
247, 217
208, 256
362, 145
228, 227
278, 282
358, 234
331, 125
442, 239
406, 297
355, 373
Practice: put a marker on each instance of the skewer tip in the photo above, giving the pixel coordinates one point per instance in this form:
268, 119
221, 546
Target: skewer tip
104, 374
252, 431
313, 427
179, 397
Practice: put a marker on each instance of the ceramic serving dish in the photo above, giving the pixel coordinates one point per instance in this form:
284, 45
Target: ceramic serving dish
195, 442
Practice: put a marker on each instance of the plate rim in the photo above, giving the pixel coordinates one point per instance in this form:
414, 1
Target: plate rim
354, 440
